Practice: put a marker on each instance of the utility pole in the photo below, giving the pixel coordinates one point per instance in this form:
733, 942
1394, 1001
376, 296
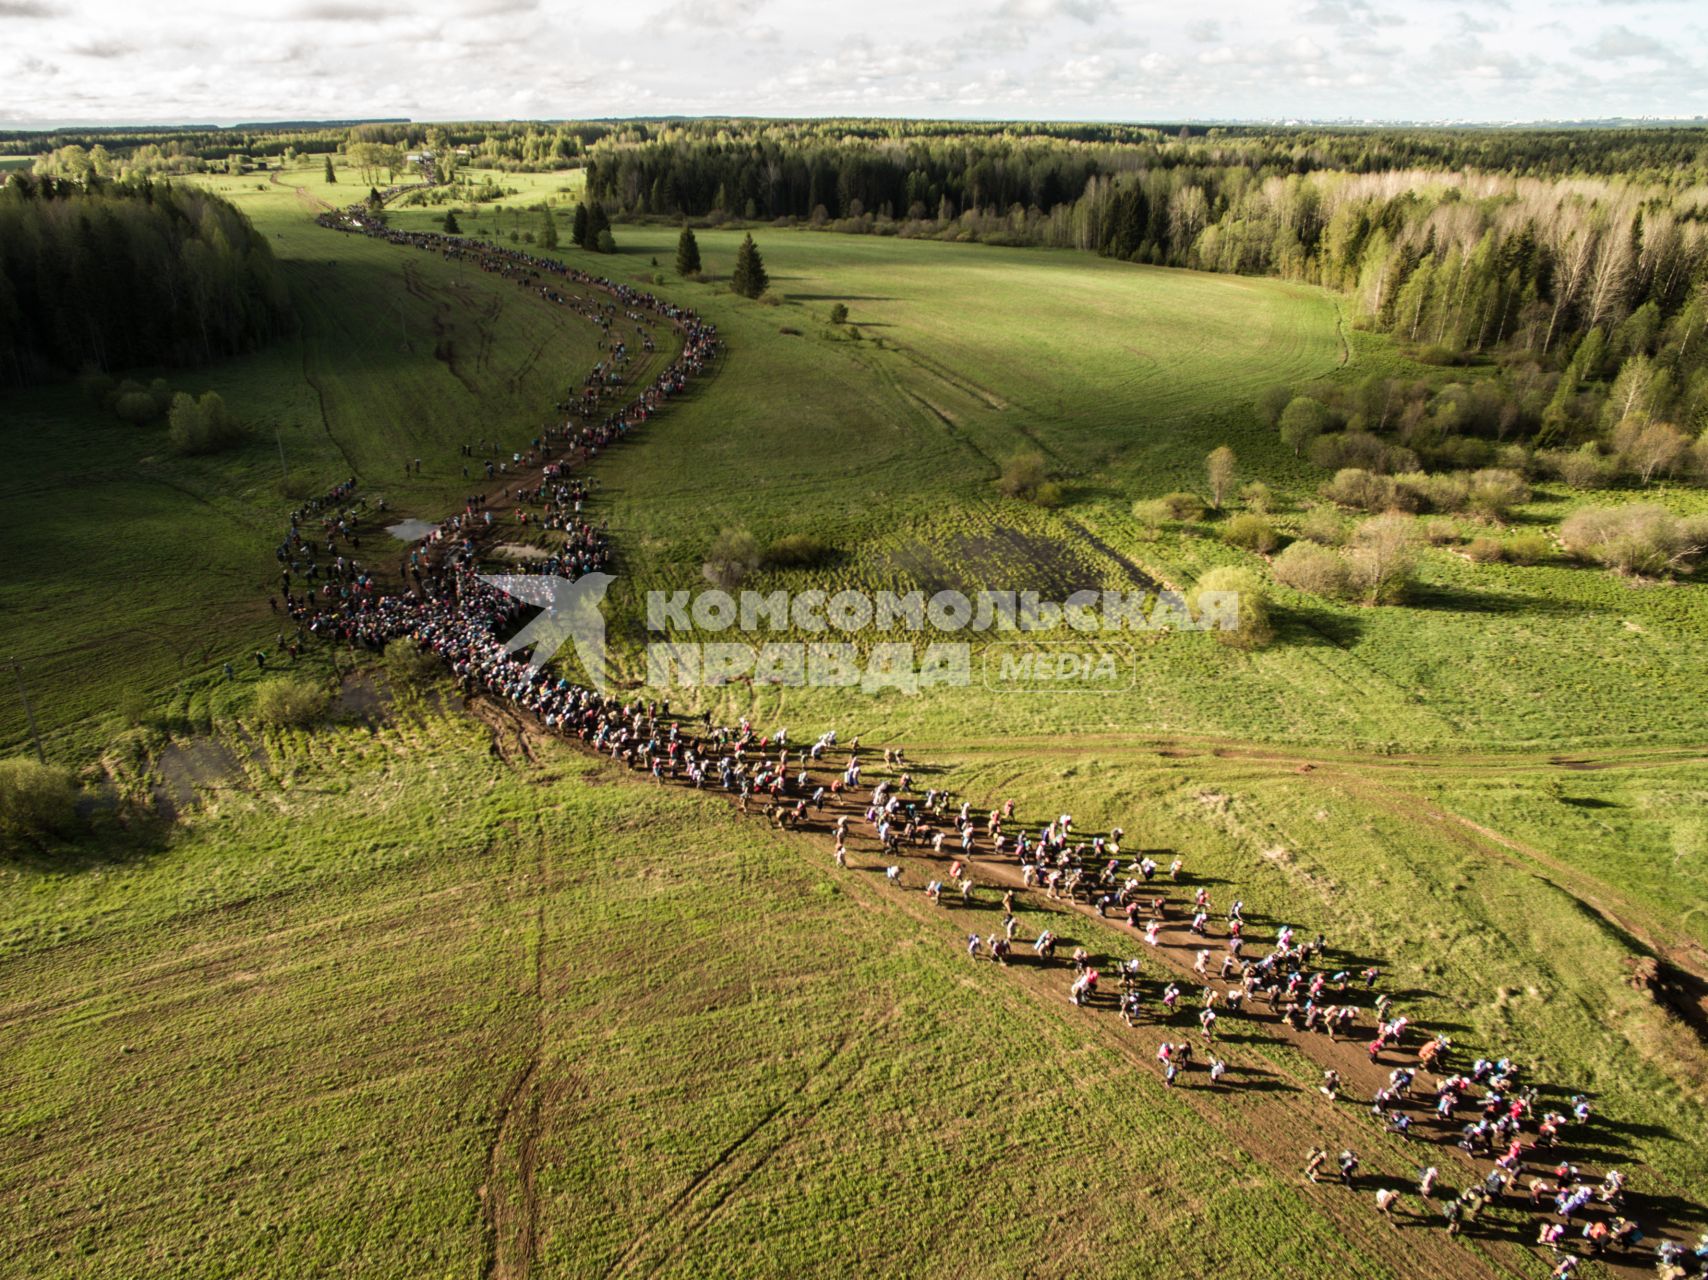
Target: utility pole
29, 711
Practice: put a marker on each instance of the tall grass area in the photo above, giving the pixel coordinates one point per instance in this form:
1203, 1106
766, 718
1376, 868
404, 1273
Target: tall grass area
287, 1035
387, 1000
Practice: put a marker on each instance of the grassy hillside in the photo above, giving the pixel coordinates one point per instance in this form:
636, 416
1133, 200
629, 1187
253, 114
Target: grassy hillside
397, 997
390, 1003
137, 572
1125, 378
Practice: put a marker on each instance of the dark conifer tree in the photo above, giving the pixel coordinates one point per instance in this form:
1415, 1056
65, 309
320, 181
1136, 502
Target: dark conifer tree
687, 253
749, 278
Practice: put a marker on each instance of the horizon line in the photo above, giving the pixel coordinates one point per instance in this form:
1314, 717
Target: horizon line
1274, 122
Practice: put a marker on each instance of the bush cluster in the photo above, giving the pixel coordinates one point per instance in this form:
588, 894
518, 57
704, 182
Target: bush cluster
1024, 477
1379, 564
287, 702
36, 799
1640, 540
204, 425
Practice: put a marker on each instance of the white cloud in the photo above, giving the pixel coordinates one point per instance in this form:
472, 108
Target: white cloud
1470, 57
1622, 42
708, 15
1110, 59
1350, 14
1088, 72
342, 11
1044, 10
104, 47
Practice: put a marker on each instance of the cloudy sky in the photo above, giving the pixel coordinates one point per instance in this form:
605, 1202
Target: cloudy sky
198, 61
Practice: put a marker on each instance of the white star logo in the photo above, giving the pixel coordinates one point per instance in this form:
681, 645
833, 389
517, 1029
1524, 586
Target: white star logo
569, 611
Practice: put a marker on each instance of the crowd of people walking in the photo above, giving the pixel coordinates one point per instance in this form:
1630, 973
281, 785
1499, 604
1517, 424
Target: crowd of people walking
1200, 963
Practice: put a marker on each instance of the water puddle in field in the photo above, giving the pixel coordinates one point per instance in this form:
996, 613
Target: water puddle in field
410, 530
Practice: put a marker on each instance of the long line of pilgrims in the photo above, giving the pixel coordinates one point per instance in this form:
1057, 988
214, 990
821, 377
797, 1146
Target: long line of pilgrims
1487, 1105
449, 609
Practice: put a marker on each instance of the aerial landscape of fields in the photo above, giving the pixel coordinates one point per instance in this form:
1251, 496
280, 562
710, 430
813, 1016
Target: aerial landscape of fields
1091, 660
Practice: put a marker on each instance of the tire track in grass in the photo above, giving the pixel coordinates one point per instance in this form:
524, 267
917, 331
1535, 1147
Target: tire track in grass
639, 1242
934, 417
510, 1223
1453, 764
947, 375
212, 961
310, 202
981, 397
947, 421
526, 367
824, 1082
325, 422
1684, 953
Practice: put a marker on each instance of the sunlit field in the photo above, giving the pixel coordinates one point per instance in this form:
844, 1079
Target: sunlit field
422, 991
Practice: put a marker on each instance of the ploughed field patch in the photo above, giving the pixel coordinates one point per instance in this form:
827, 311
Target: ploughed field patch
995, 559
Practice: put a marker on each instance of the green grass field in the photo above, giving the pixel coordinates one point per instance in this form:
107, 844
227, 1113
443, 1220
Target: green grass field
381, 977
1124, 378
398, 358
392, 998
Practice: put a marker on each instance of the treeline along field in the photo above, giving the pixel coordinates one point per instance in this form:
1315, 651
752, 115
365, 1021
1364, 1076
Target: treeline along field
1463, 243
1518, 253
116, 275
1571, 259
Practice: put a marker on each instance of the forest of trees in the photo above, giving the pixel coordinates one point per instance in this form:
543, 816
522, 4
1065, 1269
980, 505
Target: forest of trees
1571, 258
113, 276
713, 152
150, 152
1584, 288
924, 170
